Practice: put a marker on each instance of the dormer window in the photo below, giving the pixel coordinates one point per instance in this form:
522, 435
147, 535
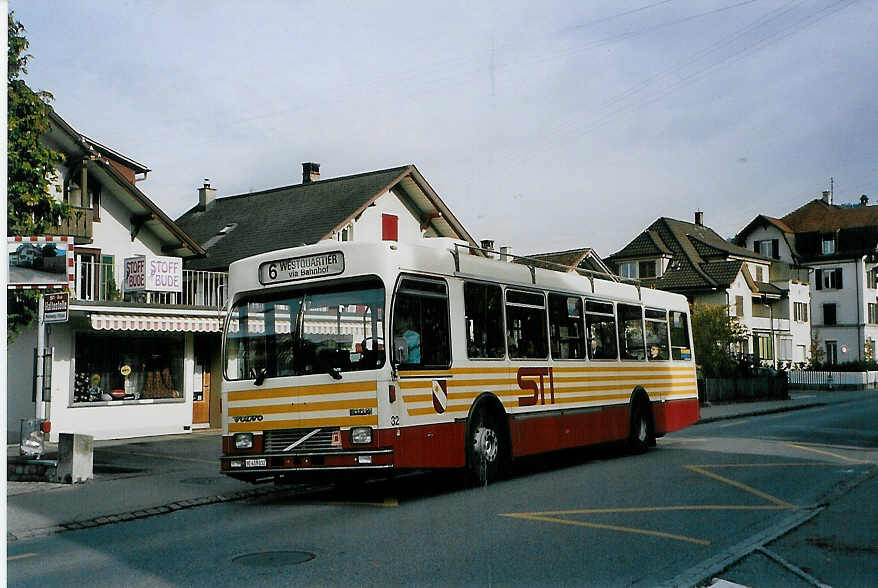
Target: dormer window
628, 269
768, 248
347, 233
827, 244
646, 269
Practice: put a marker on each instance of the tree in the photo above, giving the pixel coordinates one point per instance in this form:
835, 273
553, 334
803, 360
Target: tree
715, 334
31, 209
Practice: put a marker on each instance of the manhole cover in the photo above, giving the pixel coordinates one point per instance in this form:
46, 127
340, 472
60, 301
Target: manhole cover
199, 481
273, 559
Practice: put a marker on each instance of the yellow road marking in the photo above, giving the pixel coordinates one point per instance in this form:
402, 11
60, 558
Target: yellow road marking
609, 528
21, 556
734, 424
824, 452
162, 455
389, 502
684, 507
769, 465
740, 485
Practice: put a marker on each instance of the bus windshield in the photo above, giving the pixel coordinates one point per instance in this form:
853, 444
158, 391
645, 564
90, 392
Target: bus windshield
309, 330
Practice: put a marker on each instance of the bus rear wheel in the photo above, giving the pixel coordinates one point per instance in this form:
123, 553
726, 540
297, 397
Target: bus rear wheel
640, 435
485, 447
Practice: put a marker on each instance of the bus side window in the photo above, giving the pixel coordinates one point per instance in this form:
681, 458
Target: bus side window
565, 327
420, 324
483, 306
680, 344
657, 335
600, 326
526, 325
631, 332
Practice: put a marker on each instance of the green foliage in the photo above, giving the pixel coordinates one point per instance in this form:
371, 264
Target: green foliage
30, 164
816, 354
31, 209
715, 335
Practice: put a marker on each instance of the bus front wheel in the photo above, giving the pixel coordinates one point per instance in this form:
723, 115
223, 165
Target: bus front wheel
485, 449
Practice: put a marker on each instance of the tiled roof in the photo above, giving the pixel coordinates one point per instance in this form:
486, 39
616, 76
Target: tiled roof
766, 288
281, 217
723, 272
820, 216
584, 258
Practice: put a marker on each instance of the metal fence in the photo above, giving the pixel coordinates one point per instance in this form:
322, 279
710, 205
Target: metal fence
827, 379
101, 282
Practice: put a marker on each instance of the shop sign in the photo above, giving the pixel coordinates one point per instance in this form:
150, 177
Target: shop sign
56, 307
301, 268
154, 273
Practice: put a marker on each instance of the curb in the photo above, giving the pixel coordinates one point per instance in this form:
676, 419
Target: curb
739, 415
146, 512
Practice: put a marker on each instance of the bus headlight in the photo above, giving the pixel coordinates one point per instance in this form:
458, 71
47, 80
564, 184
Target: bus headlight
243, 440
361, 435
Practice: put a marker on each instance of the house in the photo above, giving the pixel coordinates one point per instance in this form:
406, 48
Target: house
125, 364
837, 244
765, 295
584, 260
394, 204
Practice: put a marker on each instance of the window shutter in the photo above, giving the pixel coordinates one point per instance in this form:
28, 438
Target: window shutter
756, 246
838, 279
389, 227
818, 277
775, 249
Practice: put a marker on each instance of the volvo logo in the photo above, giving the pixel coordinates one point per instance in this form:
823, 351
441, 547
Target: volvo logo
247, 419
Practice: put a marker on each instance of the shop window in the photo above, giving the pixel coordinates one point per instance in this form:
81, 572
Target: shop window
565, 327
483, 306
420, 324
600, 327
526, 325
110, 368
680, 344
631, 332
657, 335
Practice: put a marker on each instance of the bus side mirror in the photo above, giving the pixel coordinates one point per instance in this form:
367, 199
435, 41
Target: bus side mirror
400, 350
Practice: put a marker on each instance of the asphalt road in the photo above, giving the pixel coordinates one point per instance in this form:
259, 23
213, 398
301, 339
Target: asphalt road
785, 499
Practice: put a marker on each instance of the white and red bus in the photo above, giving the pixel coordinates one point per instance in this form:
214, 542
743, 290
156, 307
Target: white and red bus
385, 356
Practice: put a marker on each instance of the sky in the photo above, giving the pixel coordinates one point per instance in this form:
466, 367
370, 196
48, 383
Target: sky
543, 126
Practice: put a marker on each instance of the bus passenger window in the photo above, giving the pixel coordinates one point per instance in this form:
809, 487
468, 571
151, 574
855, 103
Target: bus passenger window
600, 326
420, 324
526, 325
680, 345
631, 332
483, 306
565, 327
656, 335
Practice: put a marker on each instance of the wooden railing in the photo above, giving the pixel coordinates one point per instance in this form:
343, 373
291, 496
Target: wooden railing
79, 225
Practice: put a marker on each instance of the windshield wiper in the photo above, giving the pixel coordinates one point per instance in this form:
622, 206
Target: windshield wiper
260, 377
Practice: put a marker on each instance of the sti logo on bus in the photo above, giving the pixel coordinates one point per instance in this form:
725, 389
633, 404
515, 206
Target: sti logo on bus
301, 268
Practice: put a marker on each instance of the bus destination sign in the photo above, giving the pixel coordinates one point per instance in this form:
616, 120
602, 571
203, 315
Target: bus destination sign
301, 268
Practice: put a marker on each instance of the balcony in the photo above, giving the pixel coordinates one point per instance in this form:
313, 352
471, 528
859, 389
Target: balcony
102, 282
79, 225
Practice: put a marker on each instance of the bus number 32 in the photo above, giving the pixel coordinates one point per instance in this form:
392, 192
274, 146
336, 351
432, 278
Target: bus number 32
539, 390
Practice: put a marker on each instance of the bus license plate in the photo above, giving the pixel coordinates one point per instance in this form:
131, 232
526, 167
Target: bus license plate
255, 463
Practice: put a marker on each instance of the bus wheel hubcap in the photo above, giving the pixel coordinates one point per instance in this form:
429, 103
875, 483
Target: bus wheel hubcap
486, 444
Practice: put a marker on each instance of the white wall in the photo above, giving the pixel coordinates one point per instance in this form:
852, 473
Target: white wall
768, 233
19, 382
112, 235
368, 227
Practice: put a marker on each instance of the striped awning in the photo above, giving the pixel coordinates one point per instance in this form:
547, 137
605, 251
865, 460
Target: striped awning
129, 322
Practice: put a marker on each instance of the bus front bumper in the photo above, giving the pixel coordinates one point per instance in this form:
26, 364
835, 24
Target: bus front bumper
252, 466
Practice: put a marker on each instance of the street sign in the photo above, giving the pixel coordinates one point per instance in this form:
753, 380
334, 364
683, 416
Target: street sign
56, 307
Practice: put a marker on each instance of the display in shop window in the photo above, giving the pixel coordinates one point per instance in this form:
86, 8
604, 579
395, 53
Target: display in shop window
110, 368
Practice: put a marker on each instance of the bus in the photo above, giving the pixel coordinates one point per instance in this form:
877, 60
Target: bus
362, 357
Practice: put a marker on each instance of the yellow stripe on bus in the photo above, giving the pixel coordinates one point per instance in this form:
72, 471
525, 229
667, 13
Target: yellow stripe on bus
270, 393
304, 407
304, 423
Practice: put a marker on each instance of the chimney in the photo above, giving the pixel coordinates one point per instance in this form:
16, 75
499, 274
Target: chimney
864, 200
827, 196
699, 218
488, 245
506, 254
310, 172
206, 195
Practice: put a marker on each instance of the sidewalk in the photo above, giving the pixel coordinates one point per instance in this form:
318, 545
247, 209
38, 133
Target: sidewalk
136, 478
